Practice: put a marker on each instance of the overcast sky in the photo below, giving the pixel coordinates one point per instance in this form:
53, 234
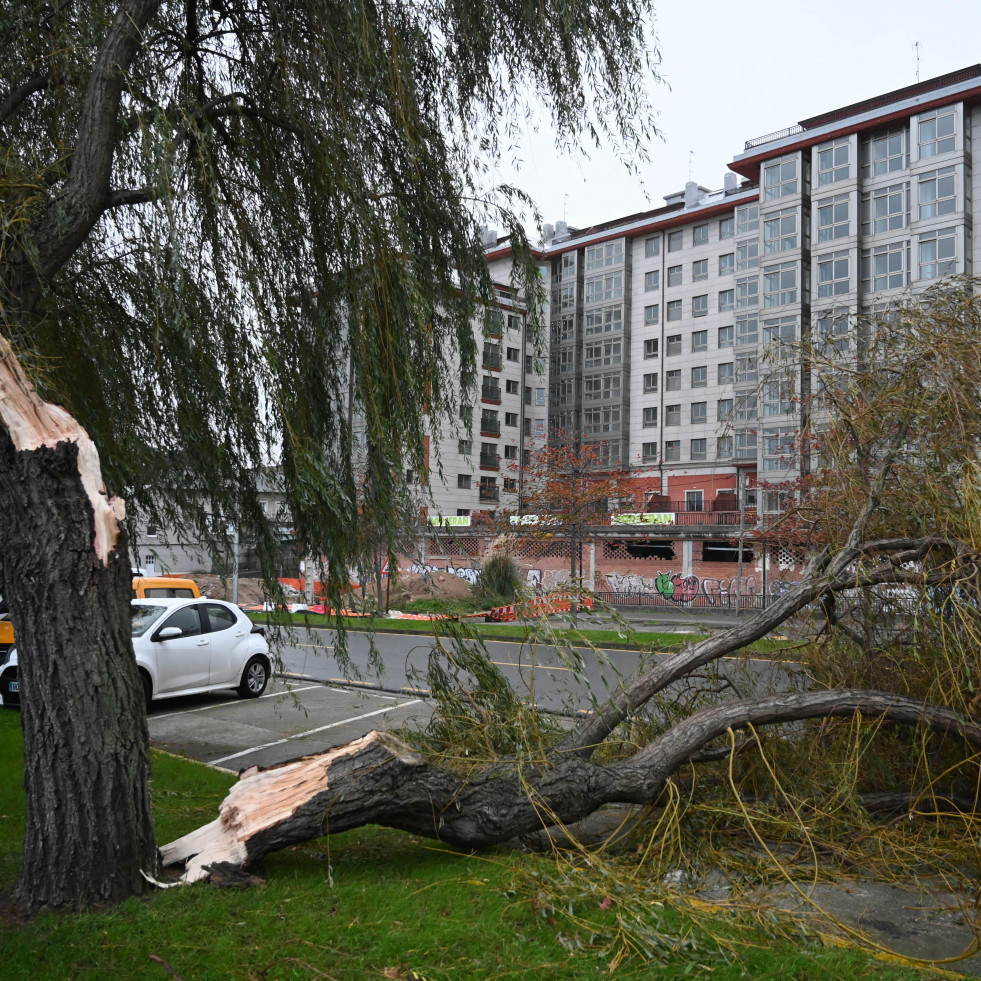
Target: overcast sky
742, 70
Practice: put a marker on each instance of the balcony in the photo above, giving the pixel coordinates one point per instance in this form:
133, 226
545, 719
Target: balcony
490, 427
490, 393
490, 461
492, 359
489, 492
688, 513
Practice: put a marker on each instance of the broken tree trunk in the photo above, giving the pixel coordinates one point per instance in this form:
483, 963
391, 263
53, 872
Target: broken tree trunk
380, 780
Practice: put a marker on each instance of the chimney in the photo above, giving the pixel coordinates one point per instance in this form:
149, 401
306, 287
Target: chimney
691, 194
730, 182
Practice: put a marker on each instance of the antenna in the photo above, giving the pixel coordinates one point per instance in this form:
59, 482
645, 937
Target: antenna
565, 206
916, 48
691, 160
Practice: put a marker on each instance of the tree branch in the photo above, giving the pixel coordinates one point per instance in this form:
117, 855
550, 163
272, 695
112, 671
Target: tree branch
21, 93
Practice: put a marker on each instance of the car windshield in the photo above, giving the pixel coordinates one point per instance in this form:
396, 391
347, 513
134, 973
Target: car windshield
142, 616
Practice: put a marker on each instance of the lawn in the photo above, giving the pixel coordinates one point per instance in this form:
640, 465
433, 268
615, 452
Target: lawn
372, 903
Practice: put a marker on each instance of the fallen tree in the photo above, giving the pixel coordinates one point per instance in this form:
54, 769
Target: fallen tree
873, 419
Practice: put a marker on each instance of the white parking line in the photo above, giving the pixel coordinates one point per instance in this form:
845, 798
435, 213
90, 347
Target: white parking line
310, 732
244, 701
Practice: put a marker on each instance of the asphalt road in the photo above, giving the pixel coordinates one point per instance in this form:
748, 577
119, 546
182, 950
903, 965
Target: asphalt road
316, 702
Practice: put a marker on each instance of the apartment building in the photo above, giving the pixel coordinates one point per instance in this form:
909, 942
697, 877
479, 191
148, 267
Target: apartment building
672, 332
480, 457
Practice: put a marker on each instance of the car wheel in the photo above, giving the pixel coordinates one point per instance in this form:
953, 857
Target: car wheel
255, 677
147, 688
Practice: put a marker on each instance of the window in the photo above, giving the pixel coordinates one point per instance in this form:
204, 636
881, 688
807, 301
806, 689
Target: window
540, 425
885, 210
527, 394
833, 274
604, 288
672, 450
649, 452
672, 415
723, 448
832, 218
601, 353
833, 162
699, 270
699, 413
747, 255
652, 280
884, 267
672, 345
885, 154
650, 347
673, 310
187, 619
605, 320
744, 409
511, 483
937, 193
606, 254
936, 132
778, 449
650, 417
746, 369
512, 354
723, 410
528, 368
779, 335
747, 219
672, 380
727, 300
832, 333
726, 337
727, 227
464, 447
699, 376
747, 329
700, 305
564, 329
599, 421
698, 450
604, 387
745, 446
700, 235
510, 452
652, 313
780, 231
699, 341
466, 413
539, 396
510, 418
652, 247
650, 381
676, 240
726, 373
463, 481
727, 264
938, 253
747, 292
780, 284
511, 386
780, 179
778, 398
674, 275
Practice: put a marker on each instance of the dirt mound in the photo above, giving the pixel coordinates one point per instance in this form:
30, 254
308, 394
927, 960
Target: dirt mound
249, 590
409, 586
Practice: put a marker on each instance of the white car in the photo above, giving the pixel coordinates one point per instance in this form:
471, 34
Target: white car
182, 647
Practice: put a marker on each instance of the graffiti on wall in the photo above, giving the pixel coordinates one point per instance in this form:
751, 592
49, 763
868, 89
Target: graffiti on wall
465, 573
683, 589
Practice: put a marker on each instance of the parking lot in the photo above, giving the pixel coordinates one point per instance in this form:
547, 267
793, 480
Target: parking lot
293, 718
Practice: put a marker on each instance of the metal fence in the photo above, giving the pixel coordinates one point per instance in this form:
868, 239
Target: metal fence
720, 602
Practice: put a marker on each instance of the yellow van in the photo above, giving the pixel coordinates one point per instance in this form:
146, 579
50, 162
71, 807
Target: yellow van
164, 587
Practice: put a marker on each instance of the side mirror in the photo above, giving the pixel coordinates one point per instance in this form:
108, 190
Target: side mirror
168, 633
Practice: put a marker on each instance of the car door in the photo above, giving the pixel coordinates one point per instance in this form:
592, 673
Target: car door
185, 661
227, 633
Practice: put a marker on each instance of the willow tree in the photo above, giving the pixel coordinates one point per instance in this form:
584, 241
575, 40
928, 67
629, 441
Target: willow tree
223, 225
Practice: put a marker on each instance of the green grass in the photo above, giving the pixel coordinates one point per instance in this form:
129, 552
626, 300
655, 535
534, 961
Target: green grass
608, 638
371, 903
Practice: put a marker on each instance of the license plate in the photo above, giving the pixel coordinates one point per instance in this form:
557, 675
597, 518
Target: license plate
13, 687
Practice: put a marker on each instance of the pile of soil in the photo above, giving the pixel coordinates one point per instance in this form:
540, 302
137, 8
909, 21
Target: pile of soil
214, 587
409, 586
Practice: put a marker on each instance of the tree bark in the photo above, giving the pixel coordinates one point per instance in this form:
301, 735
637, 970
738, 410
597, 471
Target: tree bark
380, 780
89, 822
